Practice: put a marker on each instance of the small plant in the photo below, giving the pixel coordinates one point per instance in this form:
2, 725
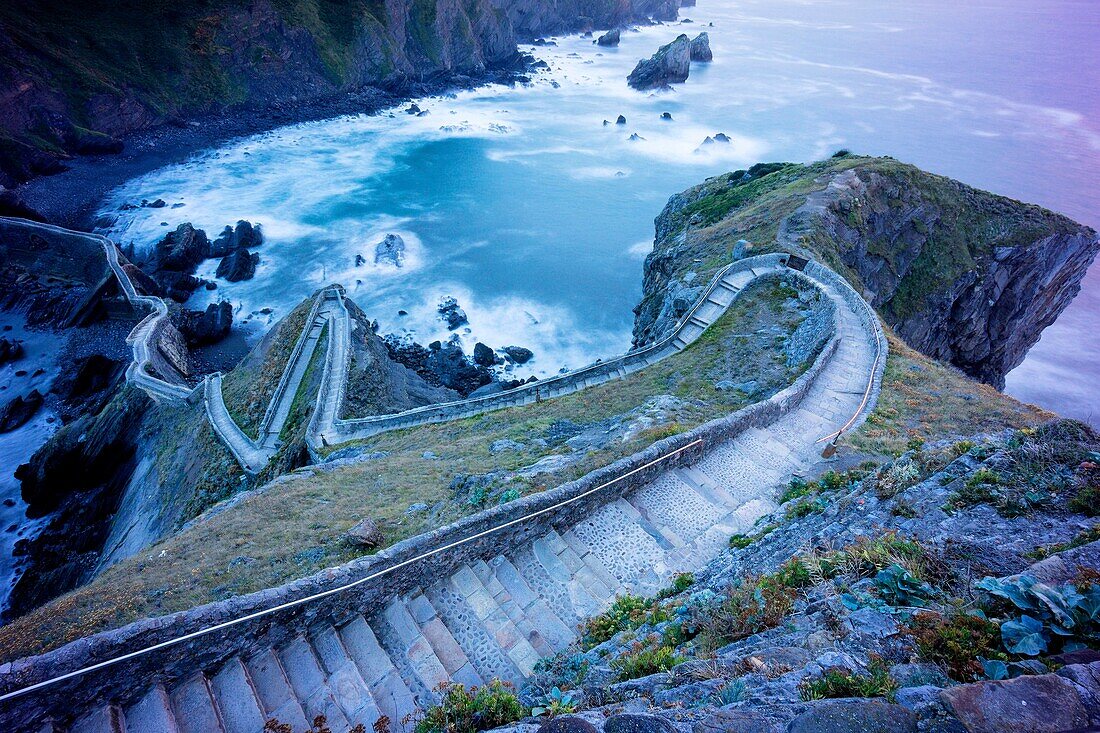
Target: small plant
626, 612
729, 693
903, 509
796, 489
740, 541
508, 495
680, 583
839, 682
463, 710
1062, 617
956, 642
897, 477
643, 660
806, 507
898, 587
555, 703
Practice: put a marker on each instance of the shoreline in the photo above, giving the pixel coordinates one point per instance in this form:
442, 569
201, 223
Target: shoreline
71, 198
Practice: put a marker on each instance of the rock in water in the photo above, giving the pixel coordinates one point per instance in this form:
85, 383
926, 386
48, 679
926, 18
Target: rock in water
209, 326
452, 313
390, 250
19, 411
238, 265
10, 350
700, 48
365, 533
518, 354
484, 356
670, 65
182, 250
620, 120
611, 38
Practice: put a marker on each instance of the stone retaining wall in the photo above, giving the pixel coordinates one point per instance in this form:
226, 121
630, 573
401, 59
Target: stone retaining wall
521, 521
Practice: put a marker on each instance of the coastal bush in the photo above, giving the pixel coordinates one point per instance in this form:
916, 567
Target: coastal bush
749, 606
468, 710
955, 642
840, 682
644, 659
626, 612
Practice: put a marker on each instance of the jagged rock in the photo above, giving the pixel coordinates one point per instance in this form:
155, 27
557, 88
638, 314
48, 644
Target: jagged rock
670, 65
182, 250
19, 411
855, 716
611, 38
631, 723
485, 356
390, 250
178, 285
620, 120
158, 204
359, 260
243, 236
366, 533
240, 264
666, 115
1031, 704
635, 137
207, 327
142, 282
700, 48
452, 314
518, 354
10, 350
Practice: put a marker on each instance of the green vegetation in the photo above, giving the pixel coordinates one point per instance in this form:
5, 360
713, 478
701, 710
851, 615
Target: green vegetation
956, 642
468, 710
1090, 535
839, 682
644, 659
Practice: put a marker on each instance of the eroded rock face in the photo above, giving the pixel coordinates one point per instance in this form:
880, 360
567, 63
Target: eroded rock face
238, 265
611, 38
206, 327
391, 250
19, 411
670, 65
700, 48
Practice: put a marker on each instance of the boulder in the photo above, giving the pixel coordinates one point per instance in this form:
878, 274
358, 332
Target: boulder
620, 120
518, 354
181, 250
452, 314
630, 723
666, 116
206, 327
484, 356
1030, 704
141, 281
19, 411
567, 724
366, 534
10, 350
670, 65
391, 250
737, 721
700, 48
611, 38
240, 264
855, 716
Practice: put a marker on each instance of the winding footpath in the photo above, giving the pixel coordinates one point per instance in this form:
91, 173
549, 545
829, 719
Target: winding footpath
490, 604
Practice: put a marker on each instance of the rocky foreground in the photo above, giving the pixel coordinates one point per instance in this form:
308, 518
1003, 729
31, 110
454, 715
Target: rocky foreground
952, 590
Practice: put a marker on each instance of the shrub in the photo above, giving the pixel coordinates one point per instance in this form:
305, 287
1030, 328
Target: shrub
806, 507
626, 612
740, 541
897, 477
751, 606
839, 682
463, 710
956, 642
796, 489
555, 703
643, 660
1054, 618
680, 583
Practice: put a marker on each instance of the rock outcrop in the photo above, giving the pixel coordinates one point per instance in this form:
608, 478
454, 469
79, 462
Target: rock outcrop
611, 38
965, 276
391, 250
18, 412
200, 328
240, 264
700, 48
670, 65
451, 313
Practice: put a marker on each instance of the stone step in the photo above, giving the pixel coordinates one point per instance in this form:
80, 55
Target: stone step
273, 690
307, 680
670, 503
510, 639
152, 713
342, 677
598, 569
400, 636
390, 693
556, 633
479, 646
601, 590
511, 609
546, 550
443, 643
107, 719
238, 707
628, 552
193, 706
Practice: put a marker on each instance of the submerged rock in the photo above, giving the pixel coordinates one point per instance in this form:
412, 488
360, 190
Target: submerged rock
518, 354
484, 356
390, 250
10, 350
19, 411
244, 235
670, 65
452, 314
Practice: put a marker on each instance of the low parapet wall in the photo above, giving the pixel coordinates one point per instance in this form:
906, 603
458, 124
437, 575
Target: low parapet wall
173, 647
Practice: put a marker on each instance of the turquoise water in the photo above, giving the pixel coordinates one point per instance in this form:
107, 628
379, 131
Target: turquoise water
520, 203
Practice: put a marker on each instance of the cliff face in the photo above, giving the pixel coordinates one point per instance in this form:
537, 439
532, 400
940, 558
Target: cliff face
75, 77
965, 276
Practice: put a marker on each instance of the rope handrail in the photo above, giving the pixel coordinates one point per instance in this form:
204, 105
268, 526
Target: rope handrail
339, 589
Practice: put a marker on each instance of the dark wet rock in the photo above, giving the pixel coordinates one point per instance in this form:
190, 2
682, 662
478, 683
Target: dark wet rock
158, 204
518, 354
620, 120
10, 350
628, 723
413, 109
391, 250
90, 381
611, 38
485, 356
670, 65
451, 313
567, 724
359, 260
700, 48
19, 411
366, 534
240, 264
666, 116
200, 328
449, 364
142, 282
181, 250
178, 285
635, 137
13, 204
243, 236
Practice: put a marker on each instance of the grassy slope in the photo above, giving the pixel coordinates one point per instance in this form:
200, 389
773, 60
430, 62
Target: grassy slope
294, 528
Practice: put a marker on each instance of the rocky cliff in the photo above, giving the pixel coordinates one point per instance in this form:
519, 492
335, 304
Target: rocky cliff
75, 78
963, 275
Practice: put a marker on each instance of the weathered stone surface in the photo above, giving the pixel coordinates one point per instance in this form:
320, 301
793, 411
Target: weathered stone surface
738, 721
1031, 704
206, 327
855, 716
240, 264
391, 250
670, 65
700, 48
18, 412
567, 724
366, 533
611, 38
638, 724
